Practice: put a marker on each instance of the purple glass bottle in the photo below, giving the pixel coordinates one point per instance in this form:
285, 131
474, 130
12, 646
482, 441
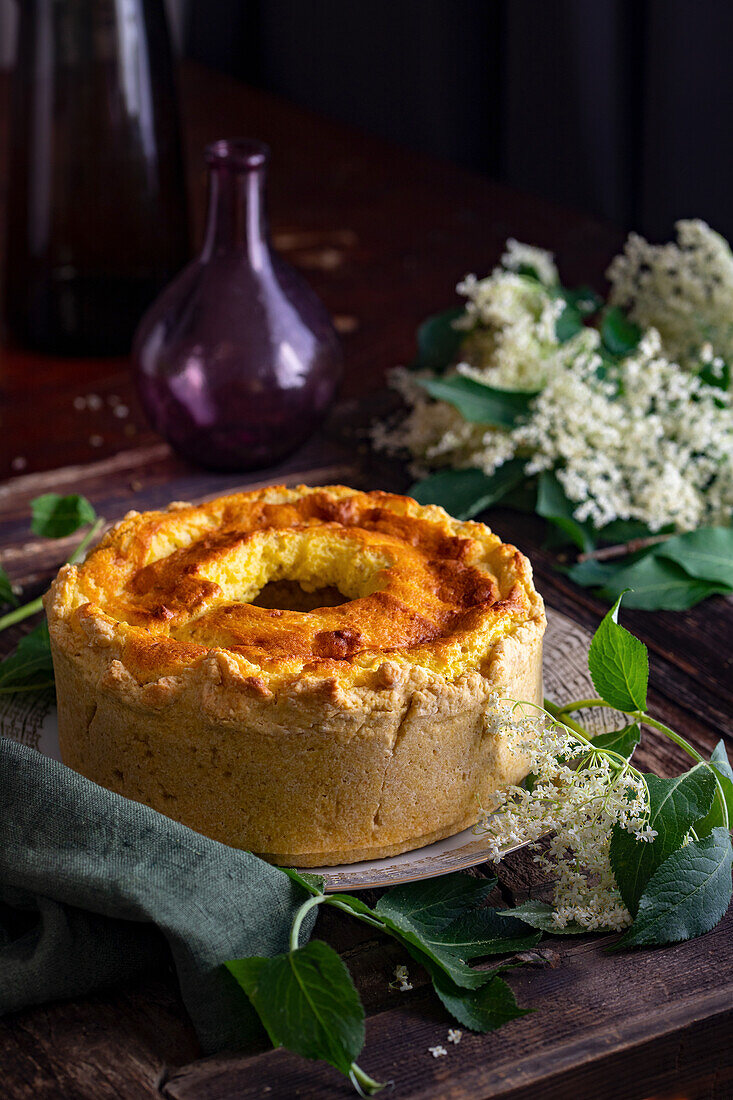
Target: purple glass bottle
237, 360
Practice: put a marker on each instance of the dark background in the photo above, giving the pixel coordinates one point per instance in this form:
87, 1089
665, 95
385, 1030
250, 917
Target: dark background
621, 108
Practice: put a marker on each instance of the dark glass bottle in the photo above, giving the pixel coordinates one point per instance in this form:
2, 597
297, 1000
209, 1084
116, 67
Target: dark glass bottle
237, 361
97, 219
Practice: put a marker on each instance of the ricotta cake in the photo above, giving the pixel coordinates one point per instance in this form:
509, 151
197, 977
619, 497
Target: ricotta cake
303, 672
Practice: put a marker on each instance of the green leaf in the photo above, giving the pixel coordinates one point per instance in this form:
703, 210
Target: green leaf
432, 904
675, 805
313, 884
55, 516
527, 271
420, 913
538, 914
706, 553
620, 335
622, 741
624, 530
720, 381
579, 303
482, 932
721, 766
585, 300
569, 323
478, 403
30, 667
554, 506
618, 664
307, 1002
594, 574
482, 1009
465, 493
438, 341
655, 584
687, 895
6, 589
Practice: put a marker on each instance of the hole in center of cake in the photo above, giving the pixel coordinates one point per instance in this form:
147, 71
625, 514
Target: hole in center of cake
290, 596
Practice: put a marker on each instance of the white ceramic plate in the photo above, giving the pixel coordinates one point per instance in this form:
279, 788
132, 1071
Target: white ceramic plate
32, 720
455, 853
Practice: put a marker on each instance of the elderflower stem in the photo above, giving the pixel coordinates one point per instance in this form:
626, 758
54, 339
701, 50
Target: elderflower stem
691, 751
18, 614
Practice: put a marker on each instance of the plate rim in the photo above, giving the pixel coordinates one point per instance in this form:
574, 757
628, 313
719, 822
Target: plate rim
415, 869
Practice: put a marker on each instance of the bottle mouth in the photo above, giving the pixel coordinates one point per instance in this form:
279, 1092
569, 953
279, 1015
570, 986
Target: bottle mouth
242, 153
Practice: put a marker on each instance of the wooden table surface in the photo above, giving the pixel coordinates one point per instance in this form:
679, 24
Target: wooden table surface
383, 235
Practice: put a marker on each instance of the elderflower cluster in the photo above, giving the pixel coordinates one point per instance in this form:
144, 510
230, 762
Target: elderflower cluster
651, 443
579, 794
638, 438
682, 289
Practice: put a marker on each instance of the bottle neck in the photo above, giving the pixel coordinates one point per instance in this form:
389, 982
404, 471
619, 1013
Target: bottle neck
235, 219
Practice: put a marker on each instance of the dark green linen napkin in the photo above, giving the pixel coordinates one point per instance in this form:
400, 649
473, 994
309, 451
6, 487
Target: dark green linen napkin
95, 889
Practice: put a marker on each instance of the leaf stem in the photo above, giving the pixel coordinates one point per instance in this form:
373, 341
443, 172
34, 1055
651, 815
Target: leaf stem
311, 903
362, 1082
580, 704
334, 900
91, 534
691, 751
15, 690
555, 712
18, 614
346, 908
678, 739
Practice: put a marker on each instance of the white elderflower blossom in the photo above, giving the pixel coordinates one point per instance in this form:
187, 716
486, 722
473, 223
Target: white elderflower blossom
518, 256
437, 435
510, 321
685, 290
631, 438
401, 980
454, 1035
438, 1051
579, 794
654, 445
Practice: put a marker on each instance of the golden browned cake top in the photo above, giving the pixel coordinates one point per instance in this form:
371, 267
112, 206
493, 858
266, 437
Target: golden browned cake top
393, 584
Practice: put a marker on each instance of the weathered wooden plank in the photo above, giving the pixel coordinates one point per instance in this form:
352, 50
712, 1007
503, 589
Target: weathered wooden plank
107, 1047
634, 1023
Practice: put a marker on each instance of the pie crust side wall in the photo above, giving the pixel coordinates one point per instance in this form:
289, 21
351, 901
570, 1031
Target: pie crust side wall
298, 777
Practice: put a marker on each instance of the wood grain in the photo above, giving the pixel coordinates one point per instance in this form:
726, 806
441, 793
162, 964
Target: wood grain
615, 1018
382, 235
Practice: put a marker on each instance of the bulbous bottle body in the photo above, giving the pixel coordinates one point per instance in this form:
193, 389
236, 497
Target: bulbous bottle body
237, 361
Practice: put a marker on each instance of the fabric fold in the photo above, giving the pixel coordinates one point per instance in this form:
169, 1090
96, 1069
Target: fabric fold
95, 888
